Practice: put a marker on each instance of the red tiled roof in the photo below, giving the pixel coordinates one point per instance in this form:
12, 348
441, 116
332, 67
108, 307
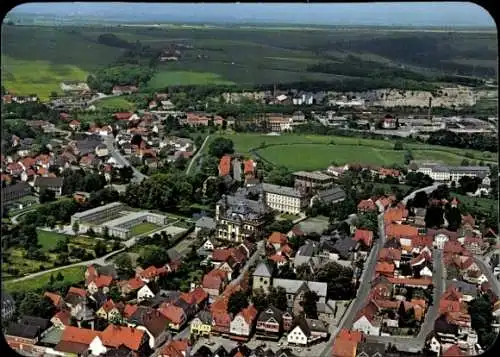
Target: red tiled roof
249, 314
77, 291
277, 238
367, 205
221, 254
108, 305
278, 258
64, 316
411, 281
213, 279
135, 283
348, 335
115, 336
389, 254
384, 268
171, 312
175, 348
365, 236
79, 335
421, 241
103, 280
344, 348
198, 295
56, 299
225, 165
369, 311
248, 167
129, 310
388, 172
400, 231
395, 214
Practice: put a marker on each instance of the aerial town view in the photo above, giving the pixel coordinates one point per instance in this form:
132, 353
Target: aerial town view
249, 180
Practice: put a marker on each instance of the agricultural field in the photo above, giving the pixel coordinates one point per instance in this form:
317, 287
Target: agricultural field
72, 275
38, 58
115, 104
311, 152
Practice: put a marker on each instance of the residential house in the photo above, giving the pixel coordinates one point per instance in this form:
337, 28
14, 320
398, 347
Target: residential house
147, 291
367, 320
270, 323
75, 299
74, 125
152, 322
49, 183
214, 282
225, 165
364, 236
61, 319
130, 286
294, 288
345, 344
242, 324
371, 349
111, 311
277, 240
467, 290
366, 206
262, 277
176, 348
201, 325
78, 341
134, 339
175, 315
307, 331
101, 282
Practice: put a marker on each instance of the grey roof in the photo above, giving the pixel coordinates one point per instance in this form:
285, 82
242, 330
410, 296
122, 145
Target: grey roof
326, 308
85, 314
345, 246
292, 286
236, 170
99, 297
316, 325
107, 270
271, 312
308, 249
464, 287
284, 352
36, 321
206, 222
263, 270
173, 254
97, 209
315, 175
22, 330
48, 181
370, 349
282, 190
331, 194
205, 316
240, 207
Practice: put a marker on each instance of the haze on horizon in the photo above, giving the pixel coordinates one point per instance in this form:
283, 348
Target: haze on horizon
441, 14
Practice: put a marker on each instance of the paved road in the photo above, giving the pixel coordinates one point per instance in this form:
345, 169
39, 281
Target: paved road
427, 190
101, 96
486, 269
15, 219
363, 289
195, 157
121, 160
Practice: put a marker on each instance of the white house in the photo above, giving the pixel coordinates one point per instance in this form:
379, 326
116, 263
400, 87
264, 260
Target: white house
242, 323
439, 240
144, 293
366, 325
297, 336
208, 245
96, 347
426, 272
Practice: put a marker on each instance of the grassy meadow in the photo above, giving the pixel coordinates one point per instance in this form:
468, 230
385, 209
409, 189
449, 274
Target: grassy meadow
72, 275
115, 104
313, 152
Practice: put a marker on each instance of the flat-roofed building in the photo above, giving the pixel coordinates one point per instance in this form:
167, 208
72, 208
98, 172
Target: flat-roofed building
284, 199
310, 182
108, 211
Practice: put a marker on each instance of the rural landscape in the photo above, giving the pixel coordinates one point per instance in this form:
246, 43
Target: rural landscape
181, 181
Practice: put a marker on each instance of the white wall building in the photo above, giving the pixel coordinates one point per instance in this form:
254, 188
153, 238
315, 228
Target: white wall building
284, 199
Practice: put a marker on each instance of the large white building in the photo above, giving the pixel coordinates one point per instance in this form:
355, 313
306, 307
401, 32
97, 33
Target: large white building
453, 173
284, 199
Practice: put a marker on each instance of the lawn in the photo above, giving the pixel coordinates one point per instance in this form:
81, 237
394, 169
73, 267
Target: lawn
115, 104
483, 203
143, 228
73, 275
313, 152
166, 78
48, 240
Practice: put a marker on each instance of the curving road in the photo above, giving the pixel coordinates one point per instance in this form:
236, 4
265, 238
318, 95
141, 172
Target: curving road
195, 157
427, 190
121, 160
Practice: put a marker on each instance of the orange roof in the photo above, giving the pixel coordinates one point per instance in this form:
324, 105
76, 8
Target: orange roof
56, 299
248, 167
115, 336
175, 348
249, 314
150, 272
108, 306
77, 291
389, 254
213, 279
64, 316
278, 258
384, 268
400, 231
344, 348
225, 165
196, 296
219, 305
395, 214
367, 205
135, 283
410, 281
388, 172
365, 236
129, 310
346, 334
277, 238
79, 335
286, 249
103, 280
171, 312
221, 254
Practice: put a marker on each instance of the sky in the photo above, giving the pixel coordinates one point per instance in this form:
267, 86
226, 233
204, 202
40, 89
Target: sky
384, 14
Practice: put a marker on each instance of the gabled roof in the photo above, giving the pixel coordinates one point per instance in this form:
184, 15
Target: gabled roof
172, 312
263, 270
453, 351
55, 298
271, 312
115, 336
344, 348
64, 316
277, 238
249, 314
364, 236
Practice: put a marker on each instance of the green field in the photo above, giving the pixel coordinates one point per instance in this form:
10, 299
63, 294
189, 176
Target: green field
312, 152
166, 78
143, 228
48, 240
115, 104
72, 275
483, 203
37, 58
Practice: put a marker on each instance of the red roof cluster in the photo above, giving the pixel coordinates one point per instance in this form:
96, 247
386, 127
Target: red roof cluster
364, 236
225, 165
